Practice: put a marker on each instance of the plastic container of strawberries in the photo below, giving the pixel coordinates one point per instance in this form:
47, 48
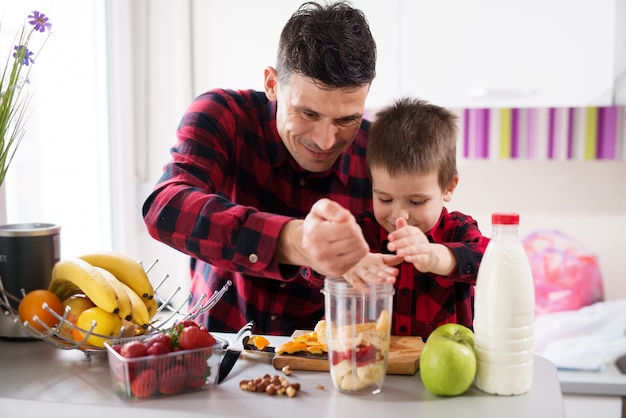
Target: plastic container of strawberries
169, 374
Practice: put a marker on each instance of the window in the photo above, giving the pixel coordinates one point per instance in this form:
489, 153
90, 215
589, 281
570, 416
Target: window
60, 173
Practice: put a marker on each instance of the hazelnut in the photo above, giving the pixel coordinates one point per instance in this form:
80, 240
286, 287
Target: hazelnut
291, 391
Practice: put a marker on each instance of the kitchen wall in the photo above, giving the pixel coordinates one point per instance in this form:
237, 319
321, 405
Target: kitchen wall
562, 169
586, 133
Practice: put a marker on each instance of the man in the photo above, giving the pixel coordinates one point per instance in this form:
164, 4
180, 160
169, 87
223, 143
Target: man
262, 184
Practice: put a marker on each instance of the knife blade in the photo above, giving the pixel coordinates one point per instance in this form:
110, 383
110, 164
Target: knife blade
233, 351
250, 348
254, 349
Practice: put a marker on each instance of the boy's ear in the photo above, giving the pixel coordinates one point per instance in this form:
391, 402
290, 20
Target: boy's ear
449, 190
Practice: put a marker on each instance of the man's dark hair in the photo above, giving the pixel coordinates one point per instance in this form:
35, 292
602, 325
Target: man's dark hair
331, 44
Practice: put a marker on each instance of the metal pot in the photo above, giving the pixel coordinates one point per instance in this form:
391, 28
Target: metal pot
28, 252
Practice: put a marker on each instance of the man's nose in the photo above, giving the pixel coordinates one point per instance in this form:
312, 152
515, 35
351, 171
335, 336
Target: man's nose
325, 135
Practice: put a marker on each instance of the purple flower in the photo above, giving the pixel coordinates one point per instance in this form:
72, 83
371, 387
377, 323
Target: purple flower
39, 21
28, 56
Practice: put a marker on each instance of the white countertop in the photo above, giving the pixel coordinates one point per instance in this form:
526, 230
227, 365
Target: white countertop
35, 376
609, 381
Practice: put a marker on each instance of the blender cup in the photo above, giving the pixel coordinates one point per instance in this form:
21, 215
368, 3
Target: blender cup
358, 327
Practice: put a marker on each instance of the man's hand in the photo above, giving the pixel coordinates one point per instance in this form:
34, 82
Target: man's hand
328, 240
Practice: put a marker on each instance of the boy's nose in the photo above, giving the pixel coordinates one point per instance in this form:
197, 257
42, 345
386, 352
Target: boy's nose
403, 214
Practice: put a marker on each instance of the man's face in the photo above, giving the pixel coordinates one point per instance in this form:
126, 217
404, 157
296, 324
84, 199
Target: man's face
315, 124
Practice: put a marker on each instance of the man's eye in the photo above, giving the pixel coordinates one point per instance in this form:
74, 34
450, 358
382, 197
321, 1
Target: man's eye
348, 122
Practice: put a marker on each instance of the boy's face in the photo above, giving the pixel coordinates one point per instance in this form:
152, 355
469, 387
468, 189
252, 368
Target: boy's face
417, 198
315, 124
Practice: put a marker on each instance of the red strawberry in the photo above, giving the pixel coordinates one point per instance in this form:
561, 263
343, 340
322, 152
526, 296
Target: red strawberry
133, 349
189, 323
195, 337
160, 338
196, 363
158, 363
157, 348
172, 380
145, 384
195, 381
365, 354
196, 368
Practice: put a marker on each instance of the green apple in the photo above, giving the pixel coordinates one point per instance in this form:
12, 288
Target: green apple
455, 329
448, 362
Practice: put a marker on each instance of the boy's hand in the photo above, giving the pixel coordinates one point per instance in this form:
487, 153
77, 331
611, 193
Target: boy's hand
412, 244
374, 268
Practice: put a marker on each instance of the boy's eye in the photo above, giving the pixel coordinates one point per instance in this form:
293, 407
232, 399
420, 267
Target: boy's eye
417, 203
382, 200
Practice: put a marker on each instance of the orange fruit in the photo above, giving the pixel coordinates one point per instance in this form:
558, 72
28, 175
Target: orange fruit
32, 305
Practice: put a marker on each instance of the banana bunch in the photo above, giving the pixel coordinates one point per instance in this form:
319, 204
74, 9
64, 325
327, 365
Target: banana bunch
114, 282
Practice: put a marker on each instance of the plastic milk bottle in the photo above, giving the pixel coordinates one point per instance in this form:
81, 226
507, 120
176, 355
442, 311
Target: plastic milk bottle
504, 312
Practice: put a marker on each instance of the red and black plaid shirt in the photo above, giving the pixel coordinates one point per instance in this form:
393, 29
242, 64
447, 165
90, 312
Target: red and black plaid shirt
223, 198
423, 301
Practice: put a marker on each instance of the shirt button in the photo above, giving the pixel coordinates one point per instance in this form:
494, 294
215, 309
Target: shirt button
433, 284
302, 182
469, 269
273, 317
282, 285
405, 291
403, 329
253, 258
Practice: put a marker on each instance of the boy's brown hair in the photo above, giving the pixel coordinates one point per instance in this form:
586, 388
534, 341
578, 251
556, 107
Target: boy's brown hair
412, 136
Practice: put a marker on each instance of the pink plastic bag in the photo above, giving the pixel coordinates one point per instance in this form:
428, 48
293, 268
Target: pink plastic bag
566, 275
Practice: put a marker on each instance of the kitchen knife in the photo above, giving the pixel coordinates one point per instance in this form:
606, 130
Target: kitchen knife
233, 351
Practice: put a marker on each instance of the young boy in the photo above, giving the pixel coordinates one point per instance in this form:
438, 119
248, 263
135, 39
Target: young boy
411, 158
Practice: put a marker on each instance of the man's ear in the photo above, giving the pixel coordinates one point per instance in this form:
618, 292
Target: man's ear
270, 83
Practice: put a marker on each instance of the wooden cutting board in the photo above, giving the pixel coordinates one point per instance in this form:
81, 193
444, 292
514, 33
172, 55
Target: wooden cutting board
404, 354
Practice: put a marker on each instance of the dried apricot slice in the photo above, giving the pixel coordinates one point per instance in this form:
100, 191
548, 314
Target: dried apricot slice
317, 349
291, 347
259, 342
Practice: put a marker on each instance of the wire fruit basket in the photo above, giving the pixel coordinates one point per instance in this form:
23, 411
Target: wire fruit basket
165, 317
